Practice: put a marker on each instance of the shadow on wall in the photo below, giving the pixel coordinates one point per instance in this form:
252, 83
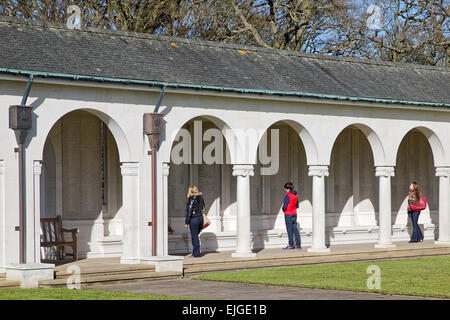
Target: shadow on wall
351, 195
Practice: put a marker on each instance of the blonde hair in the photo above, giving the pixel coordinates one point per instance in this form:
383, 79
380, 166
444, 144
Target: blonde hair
193, 191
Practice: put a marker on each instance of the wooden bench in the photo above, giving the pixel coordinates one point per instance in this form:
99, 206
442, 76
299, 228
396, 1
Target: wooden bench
52, 235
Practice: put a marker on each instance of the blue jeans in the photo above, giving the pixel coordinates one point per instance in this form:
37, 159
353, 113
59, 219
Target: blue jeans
417, 233
195, 225
291, 227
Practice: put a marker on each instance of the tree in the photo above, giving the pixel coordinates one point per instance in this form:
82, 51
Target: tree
416, 31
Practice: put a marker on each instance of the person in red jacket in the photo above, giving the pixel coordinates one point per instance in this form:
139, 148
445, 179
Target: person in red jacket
290, 205
416, 203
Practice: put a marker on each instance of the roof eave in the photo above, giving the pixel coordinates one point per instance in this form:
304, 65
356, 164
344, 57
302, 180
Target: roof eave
123, 81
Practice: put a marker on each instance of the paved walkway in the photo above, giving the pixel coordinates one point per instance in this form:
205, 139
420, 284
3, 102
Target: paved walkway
198, 289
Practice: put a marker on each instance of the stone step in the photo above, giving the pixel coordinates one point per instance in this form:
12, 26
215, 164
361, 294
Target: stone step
113, 278
4, 284
61, 273
191, 268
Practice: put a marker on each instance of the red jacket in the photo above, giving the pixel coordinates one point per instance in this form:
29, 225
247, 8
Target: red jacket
290, 203
419, 207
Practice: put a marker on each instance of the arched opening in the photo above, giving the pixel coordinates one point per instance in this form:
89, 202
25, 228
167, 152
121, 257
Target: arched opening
351, 187
81, 181
414, 162
281, 158
199, 157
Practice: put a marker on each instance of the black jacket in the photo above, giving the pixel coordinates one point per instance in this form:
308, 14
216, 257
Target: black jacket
194, 207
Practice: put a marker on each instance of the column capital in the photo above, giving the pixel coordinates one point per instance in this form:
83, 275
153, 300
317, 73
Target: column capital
321, 171
384, 171
37, 167
165, 169
243, 170
129, 168
442, 171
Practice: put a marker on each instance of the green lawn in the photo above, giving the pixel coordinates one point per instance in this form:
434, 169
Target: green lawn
67, 294
420, 276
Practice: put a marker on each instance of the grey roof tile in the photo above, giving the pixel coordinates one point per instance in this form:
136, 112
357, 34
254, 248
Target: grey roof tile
50, 48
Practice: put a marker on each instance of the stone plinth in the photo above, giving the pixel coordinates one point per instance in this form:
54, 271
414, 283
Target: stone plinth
165, 263
29, 274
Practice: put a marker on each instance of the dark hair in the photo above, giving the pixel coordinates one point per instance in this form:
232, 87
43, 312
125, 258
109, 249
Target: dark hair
416, 191
289, 185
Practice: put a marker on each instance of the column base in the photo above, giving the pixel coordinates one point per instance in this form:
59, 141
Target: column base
29, 274
384, 245
319, 250
128, 260
243, 255
442, 243
165, 263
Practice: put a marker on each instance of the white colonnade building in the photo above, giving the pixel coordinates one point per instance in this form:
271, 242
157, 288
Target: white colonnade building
350, 134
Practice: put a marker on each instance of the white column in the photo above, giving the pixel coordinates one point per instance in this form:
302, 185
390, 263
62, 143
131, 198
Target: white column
444, 205
318, 198
35, 255
385, 212
130, 237
2, 216
243, 173
165, 218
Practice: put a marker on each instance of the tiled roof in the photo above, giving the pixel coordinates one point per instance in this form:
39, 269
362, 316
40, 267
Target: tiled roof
43, 47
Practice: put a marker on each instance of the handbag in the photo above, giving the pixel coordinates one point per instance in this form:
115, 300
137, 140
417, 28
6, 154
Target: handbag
206, 221
421, 206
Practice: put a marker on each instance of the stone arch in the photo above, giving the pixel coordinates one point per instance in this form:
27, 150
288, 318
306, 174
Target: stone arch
306, 138
374, 141
223, 126
434, 141
116, 130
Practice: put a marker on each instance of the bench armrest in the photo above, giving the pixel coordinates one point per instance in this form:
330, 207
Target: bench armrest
73, 232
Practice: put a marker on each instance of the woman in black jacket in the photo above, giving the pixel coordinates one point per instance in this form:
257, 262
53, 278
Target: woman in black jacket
194, 217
